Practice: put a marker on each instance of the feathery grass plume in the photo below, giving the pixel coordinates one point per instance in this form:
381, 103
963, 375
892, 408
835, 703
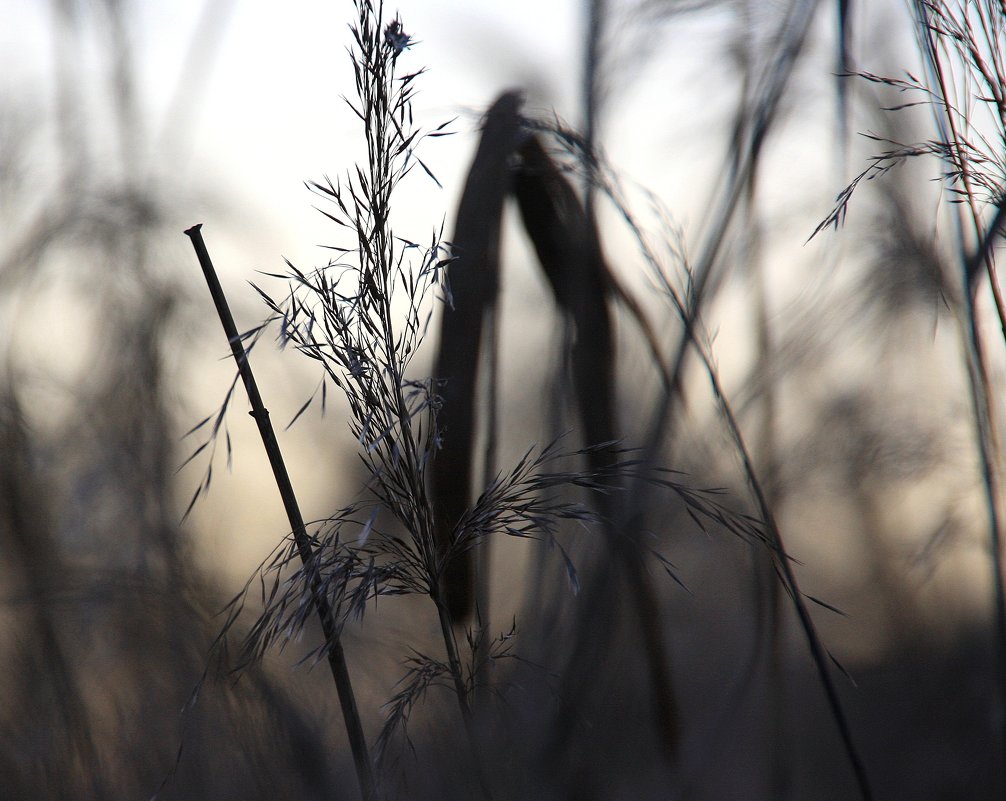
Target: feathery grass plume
346, 317
362, 318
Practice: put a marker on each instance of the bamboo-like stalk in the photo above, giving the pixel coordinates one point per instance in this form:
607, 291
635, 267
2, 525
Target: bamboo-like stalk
336, 656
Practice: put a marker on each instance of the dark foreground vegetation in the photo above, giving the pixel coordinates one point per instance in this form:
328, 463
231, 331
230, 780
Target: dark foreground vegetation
731, 530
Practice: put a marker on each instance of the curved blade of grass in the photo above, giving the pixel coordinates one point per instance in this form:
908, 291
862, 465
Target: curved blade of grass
473, 281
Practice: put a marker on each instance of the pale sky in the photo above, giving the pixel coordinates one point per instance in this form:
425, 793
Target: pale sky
268, 115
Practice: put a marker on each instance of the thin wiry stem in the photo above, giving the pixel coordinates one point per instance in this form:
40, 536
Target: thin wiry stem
782, 562
754, 125
772, 534
961, 45
789, 580
336, 657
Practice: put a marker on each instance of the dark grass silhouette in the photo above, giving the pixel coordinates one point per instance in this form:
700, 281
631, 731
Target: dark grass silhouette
108, 621
472, 290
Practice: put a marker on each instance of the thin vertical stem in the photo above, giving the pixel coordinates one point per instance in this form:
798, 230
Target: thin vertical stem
785, 571
336, 656
461, 691
978, 377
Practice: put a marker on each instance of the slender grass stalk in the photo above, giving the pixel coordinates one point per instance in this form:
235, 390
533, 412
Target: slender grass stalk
780, 556
961, 45
772, 534
336, 657
785, 570
346, 317
938, 25
751, 133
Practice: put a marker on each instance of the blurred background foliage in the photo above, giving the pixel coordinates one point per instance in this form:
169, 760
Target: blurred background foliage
842, 357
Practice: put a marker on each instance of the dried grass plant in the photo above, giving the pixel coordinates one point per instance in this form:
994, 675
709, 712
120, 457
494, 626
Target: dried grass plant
544, 645
419, 521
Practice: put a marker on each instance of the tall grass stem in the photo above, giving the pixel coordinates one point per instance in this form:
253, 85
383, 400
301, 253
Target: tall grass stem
336, 656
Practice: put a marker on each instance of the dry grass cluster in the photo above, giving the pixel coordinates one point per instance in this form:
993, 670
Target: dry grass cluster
675, 580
